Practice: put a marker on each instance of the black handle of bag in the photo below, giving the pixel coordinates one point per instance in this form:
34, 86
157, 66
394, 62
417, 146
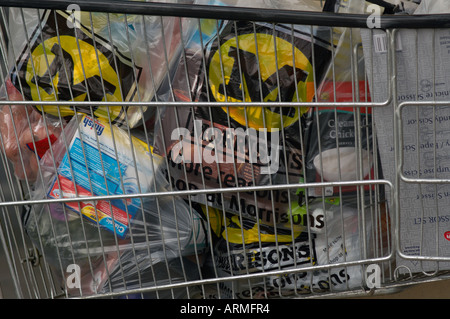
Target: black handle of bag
329, 6
389, 8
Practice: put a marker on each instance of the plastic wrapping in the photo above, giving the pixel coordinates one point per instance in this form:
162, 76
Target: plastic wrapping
109, 247
336, 149
333, 140
211, 147
25, 135
141, 241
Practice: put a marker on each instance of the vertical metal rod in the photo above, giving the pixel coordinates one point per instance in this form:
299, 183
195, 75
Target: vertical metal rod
392, 74
9, 262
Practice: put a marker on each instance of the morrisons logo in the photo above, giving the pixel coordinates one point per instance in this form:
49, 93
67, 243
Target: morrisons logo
267, 258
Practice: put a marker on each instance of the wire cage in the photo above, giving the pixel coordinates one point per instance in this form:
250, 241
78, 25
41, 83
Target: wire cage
200, 149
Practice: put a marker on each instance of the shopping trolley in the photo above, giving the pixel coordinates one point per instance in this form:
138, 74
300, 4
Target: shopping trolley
156, 150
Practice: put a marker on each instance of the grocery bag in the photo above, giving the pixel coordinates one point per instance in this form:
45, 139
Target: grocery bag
230, 147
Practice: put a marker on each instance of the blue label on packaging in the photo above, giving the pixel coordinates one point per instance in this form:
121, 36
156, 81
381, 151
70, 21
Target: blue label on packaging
97, 172
95, 166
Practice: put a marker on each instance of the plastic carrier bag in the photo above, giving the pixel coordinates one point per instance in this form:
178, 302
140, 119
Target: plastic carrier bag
222, 147
25, 135
332, 141
97, 57
242, 247
332, 133
117, 239
94, 57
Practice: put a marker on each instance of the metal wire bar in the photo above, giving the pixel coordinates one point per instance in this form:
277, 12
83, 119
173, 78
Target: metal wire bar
245, 14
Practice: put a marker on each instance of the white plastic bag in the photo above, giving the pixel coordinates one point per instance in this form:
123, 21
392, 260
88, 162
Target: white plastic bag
25, 135
433, 7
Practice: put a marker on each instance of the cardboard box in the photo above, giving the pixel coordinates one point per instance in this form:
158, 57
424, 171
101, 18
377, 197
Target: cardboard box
423, 74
